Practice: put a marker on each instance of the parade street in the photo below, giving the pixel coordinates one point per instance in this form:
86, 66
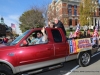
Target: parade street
72, 68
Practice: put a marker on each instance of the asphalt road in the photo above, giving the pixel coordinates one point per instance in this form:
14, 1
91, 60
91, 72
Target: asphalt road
92, 69
72, 68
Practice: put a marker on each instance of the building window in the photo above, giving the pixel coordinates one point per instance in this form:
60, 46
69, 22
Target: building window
70, 22
69, 12
75, 21
95, 21
75, 12
69, 9
69, 6
75, 6
99, 13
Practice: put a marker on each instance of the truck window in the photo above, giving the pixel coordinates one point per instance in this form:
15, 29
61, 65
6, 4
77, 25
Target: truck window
56, 36
36, 38
19, 38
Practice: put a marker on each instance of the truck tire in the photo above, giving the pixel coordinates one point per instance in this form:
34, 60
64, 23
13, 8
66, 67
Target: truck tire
4, 70
84, 59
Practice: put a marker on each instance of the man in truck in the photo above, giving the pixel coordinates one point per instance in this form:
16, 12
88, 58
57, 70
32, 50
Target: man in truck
41, 37
59, 24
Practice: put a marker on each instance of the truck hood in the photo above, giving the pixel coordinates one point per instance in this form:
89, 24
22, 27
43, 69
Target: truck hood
2, 45
5, 47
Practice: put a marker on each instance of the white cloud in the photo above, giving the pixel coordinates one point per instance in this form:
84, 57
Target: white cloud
12, 19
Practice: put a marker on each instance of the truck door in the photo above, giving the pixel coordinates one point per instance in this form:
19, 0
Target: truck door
35, 53
59, 44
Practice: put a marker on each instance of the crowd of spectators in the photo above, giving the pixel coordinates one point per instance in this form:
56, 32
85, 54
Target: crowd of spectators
5, 40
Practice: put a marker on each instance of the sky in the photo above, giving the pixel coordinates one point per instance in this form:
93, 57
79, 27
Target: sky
11, 10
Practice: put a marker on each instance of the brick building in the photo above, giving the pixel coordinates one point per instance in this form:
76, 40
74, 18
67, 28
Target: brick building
4, 29
68, 11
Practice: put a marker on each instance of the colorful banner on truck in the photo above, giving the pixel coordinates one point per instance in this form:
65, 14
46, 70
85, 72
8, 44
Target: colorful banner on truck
77, 45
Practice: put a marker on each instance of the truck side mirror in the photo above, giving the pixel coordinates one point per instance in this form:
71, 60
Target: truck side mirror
24, 43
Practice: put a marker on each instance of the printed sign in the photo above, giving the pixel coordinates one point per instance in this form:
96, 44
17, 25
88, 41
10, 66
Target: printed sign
77, 45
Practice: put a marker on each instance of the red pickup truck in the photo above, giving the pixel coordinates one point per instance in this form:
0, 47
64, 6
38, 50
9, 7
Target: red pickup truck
21, 57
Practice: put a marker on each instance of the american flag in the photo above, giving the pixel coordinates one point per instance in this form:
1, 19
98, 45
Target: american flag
13, 25
95, 33
77, 30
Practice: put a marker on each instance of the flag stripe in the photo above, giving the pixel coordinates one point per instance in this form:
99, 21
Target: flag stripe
12, 25
95, 33
76, 31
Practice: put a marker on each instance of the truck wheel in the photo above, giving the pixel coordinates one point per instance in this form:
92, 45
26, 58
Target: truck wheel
4, 70
84, 59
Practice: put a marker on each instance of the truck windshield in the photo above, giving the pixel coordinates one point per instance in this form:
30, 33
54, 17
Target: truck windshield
19, 38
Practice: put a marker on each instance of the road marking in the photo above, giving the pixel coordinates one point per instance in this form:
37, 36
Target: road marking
72, 70
95, 54
78, 65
